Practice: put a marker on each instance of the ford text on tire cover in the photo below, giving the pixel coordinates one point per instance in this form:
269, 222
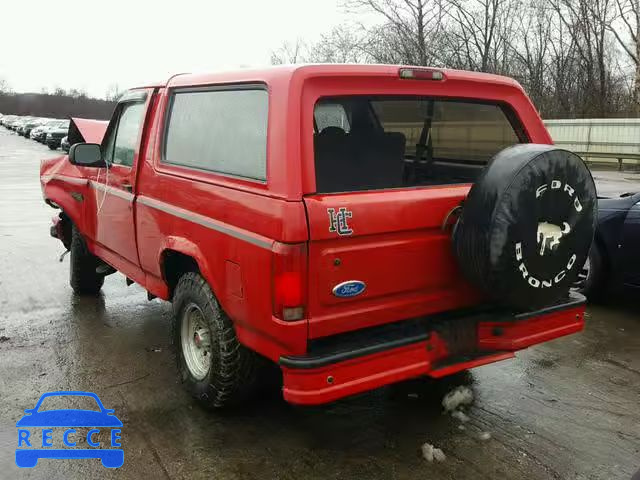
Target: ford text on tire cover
354, 225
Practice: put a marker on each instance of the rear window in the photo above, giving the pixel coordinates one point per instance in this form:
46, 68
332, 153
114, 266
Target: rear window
365, 143
223, 131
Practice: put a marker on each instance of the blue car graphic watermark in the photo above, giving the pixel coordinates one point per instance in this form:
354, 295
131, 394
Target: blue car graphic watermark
32, 447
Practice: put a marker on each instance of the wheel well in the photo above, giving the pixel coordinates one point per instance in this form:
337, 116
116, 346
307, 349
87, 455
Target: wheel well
174, 265
67, 225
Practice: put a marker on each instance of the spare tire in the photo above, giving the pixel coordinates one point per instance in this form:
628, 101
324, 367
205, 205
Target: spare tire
526, 226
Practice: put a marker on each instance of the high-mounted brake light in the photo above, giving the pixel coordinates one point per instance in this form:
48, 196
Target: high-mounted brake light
289, 280
420, 74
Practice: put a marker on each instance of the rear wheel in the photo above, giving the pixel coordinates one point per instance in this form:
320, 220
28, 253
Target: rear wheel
213, 366
83, 277
592, 277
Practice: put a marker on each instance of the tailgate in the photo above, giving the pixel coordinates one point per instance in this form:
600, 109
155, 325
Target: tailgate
392, 242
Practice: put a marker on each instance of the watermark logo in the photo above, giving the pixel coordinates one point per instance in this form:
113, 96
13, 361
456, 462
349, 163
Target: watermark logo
42, 433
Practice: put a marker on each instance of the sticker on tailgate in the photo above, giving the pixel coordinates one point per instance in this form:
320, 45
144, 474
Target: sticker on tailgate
338, 221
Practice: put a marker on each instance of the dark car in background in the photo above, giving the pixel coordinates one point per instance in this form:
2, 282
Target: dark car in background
56, 134
614, 259
25, 122
17, 123
25, 129
17, 126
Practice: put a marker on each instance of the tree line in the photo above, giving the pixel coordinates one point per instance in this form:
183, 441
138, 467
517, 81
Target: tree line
60, 103
575, 58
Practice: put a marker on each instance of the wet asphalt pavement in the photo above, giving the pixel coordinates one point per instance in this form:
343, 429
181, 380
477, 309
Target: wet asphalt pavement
568, 409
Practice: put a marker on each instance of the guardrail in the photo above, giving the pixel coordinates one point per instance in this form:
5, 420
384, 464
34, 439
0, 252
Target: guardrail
601, 155
611, 142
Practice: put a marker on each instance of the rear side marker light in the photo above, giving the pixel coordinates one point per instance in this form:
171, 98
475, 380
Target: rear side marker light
420, 74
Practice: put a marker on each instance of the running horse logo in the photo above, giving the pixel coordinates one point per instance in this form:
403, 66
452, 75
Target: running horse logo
549, 231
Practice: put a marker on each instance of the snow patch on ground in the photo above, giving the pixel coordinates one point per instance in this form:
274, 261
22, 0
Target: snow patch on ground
457, 397
460, 415
431, 453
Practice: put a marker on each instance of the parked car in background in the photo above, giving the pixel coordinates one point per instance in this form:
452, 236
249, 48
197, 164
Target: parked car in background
7, 119
40, 133
23, 124
16, 123
29, 125
56, 134
64, 144
614, 259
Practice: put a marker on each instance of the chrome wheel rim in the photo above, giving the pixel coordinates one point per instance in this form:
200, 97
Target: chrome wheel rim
583, 276
195, 339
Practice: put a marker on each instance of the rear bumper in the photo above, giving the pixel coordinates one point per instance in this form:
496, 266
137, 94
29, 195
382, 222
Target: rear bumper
436, 346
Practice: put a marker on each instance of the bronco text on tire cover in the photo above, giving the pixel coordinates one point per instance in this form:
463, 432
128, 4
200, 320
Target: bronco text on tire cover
527, 225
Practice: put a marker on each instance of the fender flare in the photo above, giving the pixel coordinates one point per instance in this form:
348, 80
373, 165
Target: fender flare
67, 204
191, 249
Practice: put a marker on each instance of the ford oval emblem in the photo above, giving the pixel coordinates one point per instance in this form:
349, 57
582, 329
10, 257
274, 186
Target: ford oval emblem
349, 289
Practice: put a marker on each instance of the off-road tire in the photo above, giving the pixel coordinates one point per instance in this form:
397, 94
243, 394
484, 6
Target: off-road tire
82, 267
232, 374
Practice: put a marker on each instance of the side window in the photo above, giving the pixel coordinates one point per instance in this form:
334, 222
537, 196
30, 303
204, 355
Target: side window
123, 143
221, 131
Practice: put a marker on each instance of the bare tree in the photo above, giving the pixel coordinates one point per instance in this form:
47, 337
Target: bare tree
113, 92
479, 32
340, 45
585, 22
4, 86
566, 53
409, 31
77, 93
530, 47
289, 53
628, 14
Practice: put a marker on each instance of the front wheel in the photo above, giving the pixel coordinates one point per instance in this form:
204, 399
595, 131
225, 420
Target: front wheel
213, 366
83, 277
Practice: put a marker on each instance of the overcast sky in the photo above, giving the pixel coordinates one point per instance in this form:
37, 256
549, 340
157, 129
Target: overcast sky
91, 44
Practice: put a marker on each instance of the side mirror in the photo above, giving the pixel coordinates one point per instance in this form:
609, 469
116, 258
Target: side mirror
86, 155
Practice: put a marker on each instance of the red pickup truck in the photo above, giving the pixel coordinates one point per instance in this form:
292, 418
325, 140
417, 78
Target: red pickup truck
356, 225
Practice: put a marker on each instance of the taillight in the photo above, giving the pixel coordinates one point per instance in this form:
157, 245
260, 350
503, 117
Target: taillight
289, 280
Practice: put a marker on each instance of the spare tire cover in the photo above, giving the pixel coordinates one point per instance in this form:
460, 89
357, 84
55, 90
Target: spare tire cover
527, 225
